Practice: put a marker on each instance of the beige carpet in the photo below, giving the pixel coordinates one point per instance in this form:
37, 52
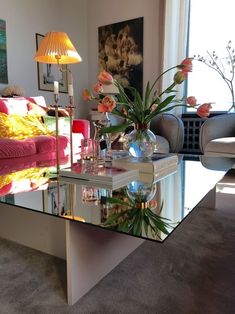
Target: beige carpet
193, 272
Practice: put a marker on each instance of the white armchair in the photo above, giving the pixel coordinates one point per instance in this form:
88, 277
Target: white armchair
217, 136
169, 131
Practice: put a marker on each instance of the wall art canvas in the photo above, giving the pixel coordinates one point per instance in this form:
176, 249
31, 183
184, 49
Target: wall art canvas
121, 51
3, 53
48, 73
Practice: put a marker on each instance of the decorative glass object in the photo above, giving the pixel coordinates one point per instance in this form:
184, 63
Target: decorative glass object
141, 142
141, 192
104, 143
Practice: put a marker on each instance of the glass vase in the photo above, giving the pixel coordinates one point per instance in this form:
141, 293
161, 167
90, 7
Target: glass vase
141, 142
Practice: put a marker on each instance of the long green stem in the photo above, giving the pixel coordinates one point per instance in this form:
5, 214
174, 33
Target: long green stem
157, 79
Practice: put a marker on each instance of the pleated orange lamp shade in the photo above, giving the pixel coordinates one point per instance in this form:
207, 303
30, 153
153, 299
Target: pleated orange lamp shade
57, 48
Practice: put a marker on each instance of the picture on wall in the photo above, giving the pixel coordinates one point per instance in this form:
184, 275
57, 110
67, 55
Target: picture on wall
48, 73
121, 52
3, 53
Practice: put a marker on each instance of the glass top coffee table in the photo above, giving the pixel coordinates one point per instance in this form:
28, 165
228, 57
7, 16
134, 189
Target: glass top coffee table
102, 219
142, 208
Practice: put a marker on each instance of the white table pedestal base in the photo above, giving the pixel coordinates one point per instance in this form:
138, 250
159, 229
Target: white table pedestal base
90, 252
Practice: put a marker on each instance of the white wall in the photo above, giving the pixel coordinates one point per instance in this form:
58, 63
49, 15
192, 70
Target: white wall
23, 19
80, 19
73, 21
104, 12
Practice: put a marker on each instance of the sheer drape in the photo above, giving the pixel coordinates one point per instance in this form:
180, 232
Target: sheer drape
175, 50
175, 40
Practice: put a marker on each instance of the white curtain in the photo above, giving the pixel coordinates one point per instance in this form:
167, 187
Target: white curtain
175, 40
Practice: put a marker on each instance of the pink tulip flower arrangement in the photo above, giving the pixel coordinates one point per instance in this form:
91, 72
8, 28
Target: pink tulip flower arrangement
140, 111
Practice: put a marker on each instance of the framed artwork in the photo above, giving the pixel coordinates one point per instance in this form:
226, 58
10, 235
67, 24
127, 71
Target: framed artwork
48, 73
3, 53
121, 52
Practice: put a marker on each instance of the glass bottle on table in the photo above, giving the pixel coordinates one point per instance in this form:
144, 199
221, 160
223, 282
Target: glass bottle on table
104, 152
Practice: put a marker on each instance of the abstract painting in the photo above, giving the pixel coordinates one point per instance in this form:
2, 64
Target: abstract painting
121, 52
3, 53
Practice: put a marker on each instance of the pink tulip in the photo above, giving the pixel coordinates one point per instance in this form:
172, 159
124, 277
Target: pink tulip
179, 77
203, 111
86, 95
107, 104
98, 88
192, 101
105, 78
186, 65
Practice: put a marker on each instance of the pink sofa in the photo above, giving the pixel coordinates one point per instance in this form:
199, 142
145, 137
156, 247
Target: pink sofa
38, 150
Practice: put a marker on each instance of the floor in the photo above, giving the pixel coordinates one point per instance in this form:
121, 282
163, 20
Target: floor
192, 272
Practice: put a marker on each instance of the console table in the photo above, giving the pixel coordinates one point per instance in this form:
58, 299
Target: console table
72, 226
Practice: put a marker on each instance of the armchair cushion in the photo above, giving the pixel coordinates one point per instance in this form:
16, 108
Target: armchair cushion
217, 135
224, 146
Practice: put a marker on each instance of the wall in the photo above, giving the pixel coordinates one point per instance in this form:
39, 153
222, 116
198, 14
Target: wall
23, 19
80, 19
104, 12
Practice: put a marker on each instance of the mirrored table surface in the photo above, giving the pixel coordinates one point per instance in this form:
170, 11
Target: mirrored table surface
146, 208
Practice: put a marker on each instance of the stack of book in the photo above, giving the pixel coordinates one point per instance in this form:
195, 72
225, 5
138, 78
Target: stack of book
105, 177
150, 171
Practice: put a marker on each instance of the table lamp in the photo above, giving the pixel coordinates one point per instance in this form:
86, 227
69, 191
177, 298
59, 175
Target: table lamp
57, 48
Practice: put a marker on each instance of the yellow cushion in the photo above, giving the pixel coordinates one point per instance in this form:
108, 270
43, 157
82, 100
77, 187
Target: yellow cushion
21, 127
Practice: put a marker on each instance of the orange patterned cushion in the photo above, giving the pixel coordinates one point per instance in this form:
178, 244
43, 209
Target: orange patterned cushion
36, 109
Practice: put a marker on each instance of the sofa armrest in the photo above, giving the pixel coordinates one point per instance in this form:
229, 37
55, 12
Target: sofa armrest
216, 127
170, 127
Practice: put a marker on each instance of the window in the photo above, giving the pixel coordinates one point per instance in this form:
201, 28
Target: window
211, 26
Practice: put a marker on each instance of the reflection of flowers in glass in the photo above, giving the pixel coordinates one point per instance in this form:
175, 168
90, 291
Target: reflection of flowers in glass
135, 213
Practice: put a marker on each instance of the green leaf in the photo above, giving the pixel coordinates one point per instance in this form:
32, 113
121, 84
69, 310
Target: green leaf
122, 95
170, 91
159, 108
138, 224
137, 105
147, 95
113, 200
165, 102
114, 128
146, 224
